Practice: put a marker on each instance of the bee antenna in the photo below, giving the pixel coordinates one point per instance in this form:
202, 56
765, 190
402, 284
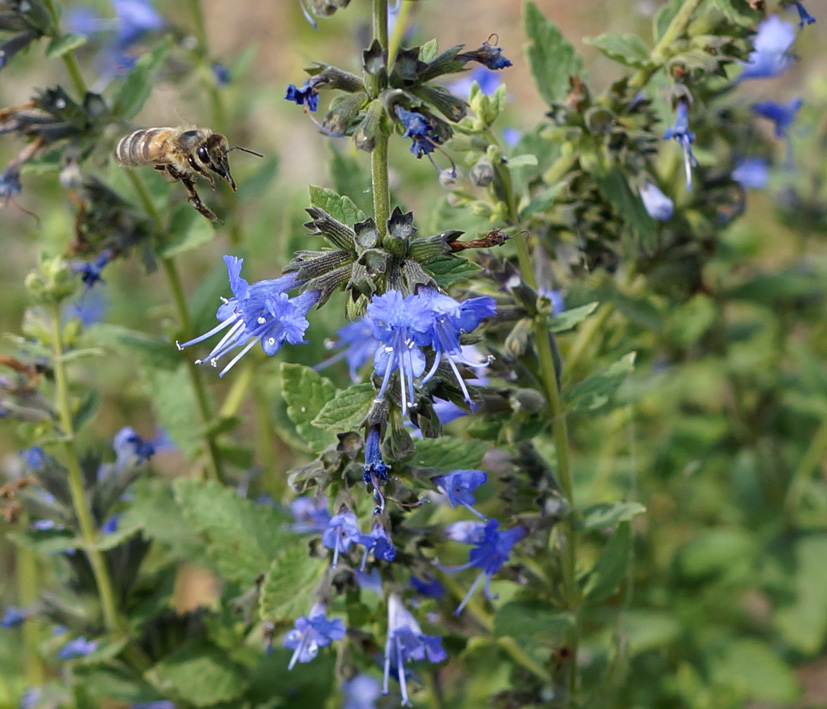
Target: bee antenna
246, 150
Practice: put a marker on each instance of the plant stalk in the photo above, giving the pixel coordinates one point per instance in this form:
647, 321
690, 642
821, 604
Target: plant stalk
379, 155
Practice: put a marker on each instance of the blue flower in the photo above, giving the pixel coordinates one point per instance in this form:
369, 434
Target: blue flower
782, 114
359, 346
771, 55
398, 323
160, 704
459, 485
420, 130
30, 698
488, 55
130, 448
406, 642
111, 525
311, 515
310, 633
487, 80
221, 74
489, 554
135, 18
305, 95
35, 457
361, 692
13, 617
450, 319
259, 313
342, 531
657, 204
681, 133
805, 17
379, 543
511, 136
431, 588
90, 273
752, 173
10, 183
79, 647
466, 532
370, 582
375, 470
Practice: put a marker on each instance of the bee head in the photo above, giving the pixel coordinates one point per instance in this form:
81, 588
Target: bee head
212, 153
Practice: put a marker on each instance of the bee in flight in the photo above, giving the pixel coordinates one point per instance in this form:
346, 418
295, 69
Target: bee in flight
183, 154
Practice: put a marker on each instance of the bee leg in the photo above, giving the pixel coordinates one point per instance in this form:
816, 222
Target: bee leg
196, 202
170, 174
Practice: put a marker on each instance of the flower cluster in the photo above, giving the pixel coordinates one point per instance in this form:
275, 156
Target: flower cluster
343, 531
260, 313
312, 632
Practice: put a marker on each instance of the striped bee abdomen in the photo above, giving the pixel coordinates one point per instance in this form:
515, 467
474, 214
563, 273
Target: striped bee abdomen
148, 146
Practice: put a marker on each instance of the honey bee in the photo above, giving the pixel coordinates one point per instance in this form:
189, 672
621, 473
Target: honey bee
181, 153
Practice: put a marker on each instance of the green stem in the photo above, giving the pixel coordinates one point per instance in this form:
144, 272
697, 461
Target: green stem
379, 156
69, 58
660, 53
27, 593
185, 325
405, 8
83, 512
591, 328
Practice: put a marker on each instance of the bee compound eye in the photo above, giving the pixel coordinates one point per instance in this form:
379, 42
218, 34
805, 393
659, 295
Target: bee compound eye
203, 155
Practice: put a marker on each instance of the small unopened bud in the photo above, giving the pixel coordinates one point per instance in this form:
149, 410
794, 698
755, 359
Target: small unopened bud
482, 174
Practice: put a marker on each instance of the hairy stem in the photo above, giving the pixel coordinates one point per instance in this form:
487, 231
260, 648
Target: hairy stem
27, 593
379, 156
81, 506
185, 325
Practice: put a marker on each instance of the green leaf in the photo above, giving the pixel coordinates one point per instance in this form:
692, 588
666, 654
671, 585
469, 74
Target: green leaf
596, 391
522, 619
803, 623
340, 208
202, 674
524, 160
125, 531
137, 86
612, 566
755, 671
242, 538
290, 584
541, 202
347, 409
46, 541
306, 392
175, 406
615, 189
739, 12
487, 108
448, 453
663, 18
628, 49
148, 349
447, 270
609, 514
62, 45
571, 318
187, 230
350, 177
649, 630
551, 57
428, 51
716, 552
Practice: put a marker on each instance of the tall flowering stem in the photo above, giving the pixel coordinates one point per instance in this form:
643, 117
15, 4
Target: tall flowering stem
69, 60
379, 155
76, 487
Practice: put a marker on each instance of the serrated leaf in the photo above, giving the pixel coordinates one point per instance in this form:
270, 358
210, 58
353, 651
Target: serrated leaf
739, 12
614, 186
174, 402
609, 514
290, 584
447, 270
522, 619
242, 537
571, 318
62, 45
596, 391
337, 206
187, 230
347, 409
202, 673
137, 86
448, 453
612, 566
628, 49
306, 392
551, 57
